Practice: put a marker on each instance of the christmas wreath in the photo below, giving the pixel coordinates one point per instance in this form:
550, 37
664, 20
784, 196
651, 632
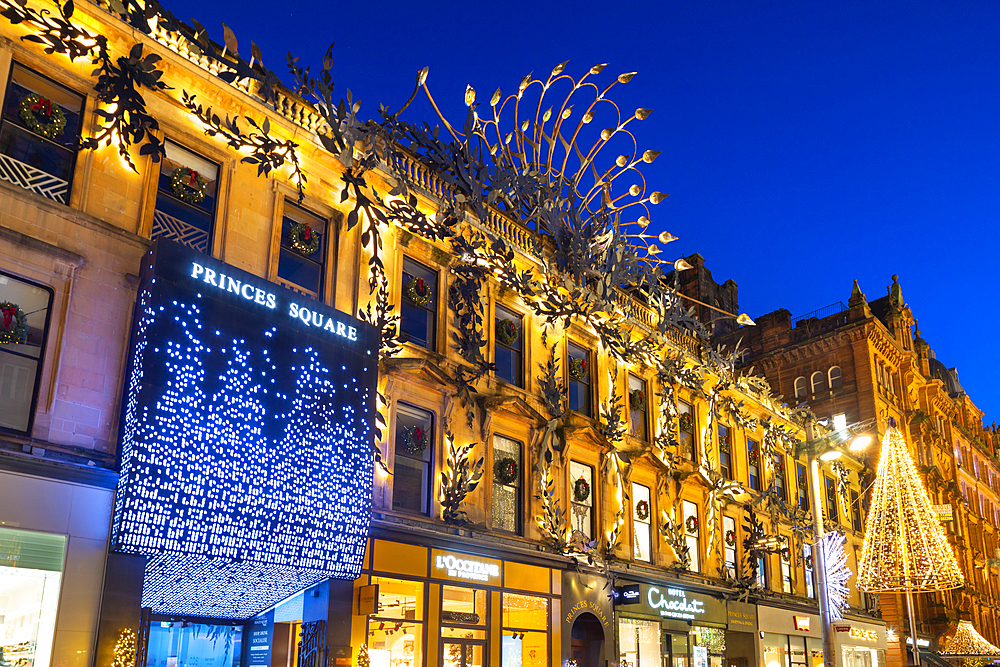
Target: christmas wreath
637, 400
809, 562
42, 116
731, 538
686, 421
642, 510
691, 524
414, 440
303, 239
578, 368
15, 324
724, 442
785, 554
506, 332
581, 490
505, 470
418, 291
188, 185
754, 457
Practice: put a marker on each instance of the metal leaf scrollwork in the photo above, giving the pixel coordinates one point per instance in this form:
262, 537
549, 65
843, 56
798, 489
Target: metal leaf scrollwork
460, 477
312, 644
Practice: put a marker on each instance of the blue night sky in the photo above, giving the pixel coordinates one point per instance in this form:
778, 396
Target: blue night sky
805, 144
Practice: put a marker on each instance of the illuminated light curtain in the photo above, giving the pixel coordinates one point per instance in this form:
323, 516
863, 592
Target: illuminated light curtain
966, 641
905, 545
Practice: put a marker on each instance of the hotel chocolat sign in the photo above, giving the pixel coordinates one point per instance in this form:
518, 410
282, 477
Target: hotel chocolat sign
681, 604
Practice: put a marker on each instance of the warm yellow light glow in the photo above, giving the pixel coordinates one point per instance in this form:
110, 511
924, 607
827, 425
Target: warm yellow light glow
745, 320
860, 442
682, 265
966, 641
831, 455
905, 545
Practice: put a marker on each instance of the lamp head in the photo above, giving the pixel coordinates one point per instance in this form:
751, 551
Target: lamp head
831, 455
860, 442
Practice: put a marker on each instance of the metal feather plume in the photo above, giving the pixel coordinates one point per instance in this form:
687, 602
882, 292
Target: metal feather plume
837, 572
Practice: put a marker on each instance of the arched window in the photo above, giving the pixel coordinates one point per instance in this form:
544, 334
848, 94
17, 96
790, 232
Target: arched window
818, 382
800, 387
835, 377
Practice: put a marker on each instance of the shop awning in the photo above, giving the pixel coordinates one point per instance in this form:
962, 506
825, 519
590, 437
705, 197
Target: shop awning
966, 642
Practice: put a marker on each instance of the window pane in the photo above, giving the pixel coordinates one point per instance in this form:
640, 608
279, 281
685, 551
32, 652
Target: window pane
579, 373
463, 606
296, 264
30, 574
185, 201
638, 403
399, 599
725, 452
414, 443
639, 642
692, 529
642, 512
20, 361
508, 342
753, 460
729, 539
524, 649
581, 497
507, 474
38, 146
525, 612
417, 318
686, 430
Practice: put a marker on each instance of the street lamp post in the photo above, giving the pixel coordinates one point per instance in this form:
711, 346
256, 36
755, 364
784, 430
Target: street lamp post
824, 449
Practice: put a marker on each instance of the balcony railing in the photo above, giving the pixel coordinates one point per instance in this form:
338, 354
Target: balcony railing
30, 178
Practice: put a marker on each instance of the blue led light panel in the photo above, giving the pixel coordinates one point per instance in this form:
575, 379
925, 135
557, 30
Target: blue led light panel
245, 436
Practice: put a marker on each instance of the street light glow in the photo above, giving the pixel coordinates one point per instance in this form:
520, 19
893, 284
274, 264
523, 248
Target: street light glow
830, 455
860, 442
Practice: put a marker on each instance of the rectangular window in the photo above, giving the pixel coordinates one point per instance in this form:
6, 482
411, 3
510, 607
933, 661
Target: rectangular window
856, 511
395, 631
506, 484
725, 451
31, 566
638, 643
753, 461
802, 487
638, 401
831, 499
39, 134
762, 571
642, 520
579, 372
685, 425
729, 544
508, 345
25, 325
411, 479
525, 631
418, 307
302, 258
780, 484
786, 566
581, 481
185, 198
692, 532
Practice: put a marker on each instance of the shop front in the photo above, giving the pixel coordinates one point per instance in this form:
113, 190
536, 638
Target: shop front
665, 625
789, 637
859, 644
435, 606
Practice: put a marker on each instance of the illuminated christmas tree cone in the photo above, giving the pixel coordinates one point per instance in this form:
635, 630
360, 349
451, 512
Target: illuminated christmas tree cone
905, 548
966, 641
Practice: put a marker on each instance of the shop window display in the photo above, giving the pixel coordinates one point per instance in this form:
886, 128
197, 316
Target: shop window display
30, 576
775, 648
642, 522
463, 626
26, 313
581, 481
395, 632
680, 651
639, 643
177, 643
713, 641
525, 631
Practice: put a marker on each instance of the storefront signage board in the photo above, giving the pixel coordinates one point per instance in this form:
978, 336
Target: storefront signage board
628, 595
783, 621
367, 600
672, 602
259, 640
465, 568
742, 616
